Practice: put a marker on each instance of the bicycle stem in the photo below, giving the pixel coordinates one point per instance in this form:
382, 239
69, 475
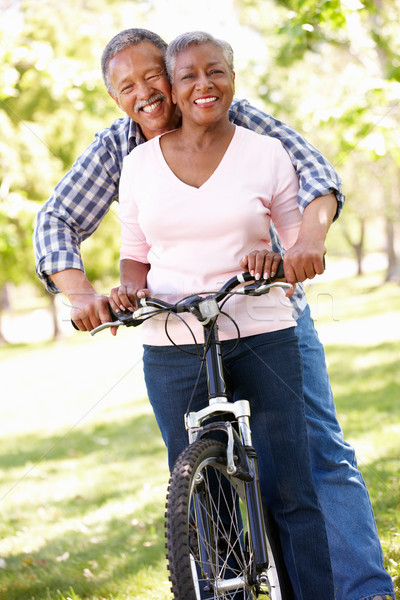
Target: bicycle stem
214, 367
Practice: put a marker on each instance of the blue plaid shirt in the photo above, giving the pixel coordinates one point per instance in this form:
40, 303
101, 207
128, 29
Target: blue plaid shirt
84, 195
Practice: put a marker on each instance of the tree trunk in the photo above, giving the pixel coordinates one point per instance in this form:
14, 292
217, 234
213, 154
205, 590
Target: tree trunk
393, 271
357, 246
359, 257
392, 202
54, 313
4, 304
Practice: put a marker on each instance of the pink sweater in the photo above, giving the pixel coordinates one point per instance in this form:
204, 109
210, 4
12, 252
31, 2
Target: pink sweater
194, 238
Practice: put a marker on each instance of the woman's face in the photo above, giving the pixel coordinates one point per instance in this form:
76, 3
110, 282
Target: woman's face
203, 84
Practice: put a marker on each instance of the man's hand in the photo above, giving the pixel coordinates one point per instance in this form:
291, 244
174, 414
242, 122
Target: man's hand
89, 310
305, 259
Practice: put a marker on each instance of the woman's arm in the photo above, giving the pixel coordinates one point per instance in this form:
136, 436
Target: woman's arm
133, 283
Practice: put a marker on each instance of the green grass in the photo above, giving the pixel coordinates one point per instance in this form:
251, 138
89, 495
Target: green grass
83, 469
360, 324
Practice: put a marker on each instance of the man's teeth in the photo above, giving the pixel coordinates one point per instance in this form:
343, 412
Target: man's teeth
150, 107
205, 100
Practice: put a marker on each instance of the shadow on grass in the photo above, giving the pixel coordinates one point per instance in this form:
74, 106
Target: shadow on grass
92, 568
366, 383
120, 439
80, 501
120, 452
382, 479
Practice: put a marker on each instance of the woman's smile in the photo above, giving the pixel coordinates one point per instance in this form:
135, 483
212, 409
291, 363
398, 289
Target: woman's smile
202, 79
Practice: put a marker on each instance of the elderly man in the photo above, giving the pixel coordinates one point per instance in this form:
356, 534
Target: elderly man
135, 77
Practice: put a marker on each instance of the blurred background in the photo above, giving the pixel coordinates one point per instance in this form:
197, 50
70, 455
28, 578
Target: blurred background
329, 68
83, 470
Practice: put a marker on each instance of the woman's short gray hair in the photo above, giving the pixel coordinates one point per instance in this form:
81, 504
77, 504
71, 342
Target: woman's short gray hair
124, 39
195, 38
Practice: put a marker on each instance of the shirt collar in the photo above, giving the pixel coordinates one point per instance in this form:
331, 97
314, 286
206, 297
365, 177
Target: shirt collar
135, 136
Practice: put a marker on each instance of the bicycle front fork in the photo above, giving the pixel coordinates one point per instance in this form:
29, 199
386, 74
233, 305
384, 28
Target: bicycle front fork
241, 462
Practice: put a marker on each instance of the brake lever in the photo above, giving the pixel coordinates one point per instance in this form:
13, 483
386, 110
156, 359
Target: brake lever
105, 326
126, 317
264, 287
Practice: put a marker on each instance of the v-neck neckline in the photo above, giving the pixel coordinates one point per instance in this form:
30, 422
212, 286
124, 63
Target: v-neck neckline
213, 174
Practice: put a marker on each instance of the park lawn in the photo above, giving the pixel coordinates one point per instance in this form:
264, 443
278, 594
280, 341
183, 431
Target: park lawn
83, 470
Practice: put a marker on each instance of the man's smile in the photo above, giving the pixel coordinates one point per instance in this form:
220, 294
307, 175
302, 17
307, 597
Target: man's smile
148, 106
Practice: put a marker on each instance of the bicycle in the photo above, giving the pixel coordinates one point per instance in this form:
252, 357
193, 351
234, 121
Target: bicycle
221, 539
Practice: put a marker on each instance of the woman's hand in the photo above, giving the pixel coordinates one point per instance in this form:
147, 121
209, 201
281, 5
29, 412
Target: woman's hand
125, 297
263, 264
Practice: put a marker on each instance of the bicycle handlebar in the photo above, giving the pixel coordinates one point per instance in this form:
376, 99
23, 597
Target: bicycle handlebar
203, 308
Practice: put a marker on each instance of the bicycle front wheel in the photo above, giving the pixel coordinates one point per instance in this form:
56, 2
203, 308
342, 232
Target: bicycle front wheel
210, 550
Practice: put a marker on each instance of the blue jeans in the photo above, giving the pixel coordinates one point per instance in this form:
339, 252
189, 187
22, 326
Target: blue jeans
266, 370
356, 554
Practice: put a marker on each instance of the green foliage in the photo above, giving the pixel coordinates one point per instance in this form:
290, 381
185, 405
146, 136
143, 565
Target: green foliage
307, 24
52, 100
16, 226
333, 73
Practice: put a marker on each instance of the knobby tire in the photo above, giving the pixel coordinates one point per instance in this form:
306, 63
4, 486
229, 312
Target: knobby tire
198, 570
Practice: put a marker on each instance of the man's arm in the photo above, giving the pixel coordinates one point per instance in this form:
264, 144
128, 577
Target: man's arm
88, 309
304, 259
317, 177
73, 212
320, 198
79, 203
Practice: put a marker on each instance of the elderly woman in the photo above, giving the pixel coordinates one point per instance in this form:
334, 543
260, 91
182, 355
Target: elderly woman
196, 205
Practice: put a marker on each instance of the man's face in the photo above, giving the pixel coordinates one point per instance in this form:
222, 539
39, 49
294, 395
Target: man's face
142, 89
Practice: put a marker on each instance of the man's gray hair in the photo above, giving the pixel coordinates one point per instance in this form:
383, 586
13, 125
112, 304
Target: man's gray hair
195, 38
125, 39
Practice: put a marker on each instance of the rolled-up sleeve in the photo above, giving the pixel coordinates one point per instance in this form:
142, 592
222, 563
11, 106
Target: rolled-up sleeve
74, 211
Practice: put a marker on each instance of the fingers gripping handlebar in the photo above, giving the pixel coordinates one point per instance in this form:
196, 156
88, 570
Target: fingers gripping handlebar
191, 304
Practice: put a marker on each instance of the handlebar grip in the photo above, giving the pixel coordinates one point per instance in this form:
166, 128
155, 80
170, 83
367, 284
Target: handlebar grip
115, 316
280, 272
123, 316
